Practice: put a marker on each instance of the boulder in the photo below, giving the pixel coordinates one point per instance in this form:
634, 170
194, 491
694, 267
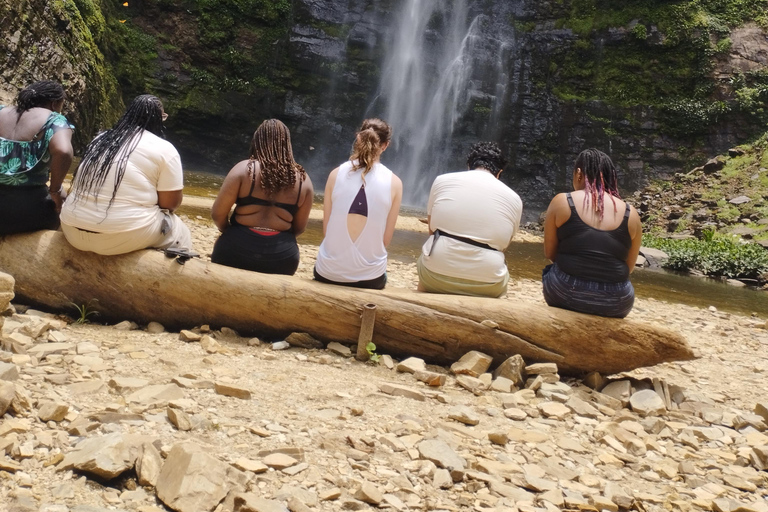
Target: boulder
192, 480
105, 457
442, 455
647, 403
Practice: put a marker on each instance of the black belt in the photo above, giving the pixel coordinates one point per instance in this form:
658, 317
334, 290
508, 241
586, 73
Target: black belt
438, 233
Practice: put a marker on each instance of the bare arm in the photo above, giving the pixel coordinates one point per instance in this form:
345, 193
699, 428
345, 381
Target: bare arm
328, 199
551, 225
60, 148
299, 223
636, 233
169, 199
226, 198
394, 211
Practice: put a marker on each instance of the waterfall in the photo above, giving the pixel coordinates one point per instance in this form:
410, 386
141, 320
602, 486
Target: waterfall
440, 68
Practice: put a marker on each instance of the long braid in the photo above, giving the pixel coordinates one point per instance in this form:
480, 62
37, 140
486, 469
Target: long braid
39, 94
600, 177
271, 147
115, 146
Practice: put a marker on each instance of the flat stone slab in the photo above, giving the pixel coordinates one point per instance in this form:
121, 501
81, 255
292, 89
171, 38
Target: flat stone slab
441, 454
43, 350
105, 456
155, 394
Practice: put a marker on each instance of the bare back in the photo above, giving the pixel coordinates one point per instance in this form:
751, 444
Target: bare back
25, 128
286, 210
612, 215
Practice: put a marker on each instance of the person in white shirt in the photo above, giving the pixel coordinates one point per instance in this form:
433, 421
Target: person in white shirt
360, 207
472, 218
127, 186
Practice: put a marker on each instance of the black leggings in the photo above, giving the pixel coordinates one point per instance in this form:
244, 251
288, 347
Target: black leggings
373, 284
240, 247
25, 209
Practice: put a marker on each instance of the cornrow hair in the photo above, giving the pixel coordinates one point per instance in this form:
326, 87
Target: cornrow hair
39, 94
115, 146
487, 155
600, 177
373, 135
271, 147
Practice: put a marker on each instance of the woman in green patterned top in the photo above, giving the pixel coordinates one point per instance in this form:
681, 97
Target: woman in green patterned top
35, 142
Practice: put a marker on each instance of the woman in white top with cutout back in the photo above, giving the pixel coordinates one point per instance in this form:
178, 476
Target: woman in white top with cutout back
361, 204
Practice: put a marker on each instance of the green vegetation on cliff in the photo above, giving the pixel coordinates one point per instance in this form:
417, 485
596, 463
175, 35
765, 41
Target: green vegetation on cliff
718, 213
664, 55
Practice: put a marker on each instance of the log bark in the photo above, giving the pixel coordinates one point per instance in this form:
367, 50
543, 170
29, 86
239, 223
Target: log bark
146, 286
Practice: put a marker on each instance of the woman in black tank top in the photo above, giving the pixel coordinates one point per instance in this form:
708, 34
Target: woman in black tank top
593, 247
272, 196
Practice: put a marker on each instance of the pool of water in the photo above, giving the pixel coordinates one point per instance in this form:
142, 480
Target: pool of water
526, 260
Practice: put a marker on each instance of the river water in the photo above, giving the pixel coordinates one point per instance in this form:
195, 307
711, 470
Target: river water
526, 260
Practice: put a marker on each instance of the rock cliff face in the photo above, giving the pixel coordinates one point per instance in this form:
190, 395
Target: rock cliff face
655, 87
57, 40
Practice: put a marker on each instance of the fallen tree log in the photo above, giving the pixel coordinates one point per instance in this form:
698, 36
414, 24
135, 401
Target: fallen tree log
146, 286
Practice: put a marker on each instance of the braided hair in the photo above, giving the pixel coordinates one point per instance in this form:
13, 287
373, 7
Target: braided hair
487, 155
271, 147
600, 176
373, 135
39, 94
115, 146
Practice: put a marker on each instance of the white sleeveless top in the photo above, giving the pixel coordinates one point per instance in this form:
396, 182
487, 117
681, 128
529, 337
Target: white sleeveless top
339, 258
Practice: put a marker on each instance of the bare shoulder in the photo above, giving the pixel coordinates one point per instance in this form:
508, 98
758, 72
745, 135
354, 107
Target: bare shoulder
559, 201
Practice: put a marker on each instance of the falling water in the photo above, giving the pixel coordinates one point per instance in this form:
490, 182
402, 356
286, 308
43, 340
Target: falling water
434, 75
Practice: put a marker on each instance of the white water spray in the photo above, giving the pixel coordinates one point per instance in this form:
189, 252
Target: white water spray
429, 84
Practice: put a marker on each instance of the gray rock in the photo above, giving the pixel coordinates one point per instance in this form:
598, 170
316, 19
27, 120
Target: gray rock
620, 390
52, 411
105, 456
148, 465
9, 371
192, 480
512, 369
247, 502
411, 365
471, 384
441, 454
157, 394
155, 328
740, 200
303, 340
369, 493
647, 403
464, 414
472, 363
340, 349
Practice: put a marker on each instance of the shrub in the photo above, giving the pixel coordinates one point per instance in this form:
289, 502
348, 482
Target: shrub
715, 255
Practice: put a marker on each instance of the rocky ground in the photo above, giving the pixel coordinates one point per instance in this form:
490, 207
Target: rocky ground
132, 417
729, 194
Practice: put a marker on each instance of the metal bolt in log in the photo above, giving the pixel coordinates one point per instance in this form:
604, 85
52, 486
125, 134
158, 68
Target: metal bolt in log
366, 331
